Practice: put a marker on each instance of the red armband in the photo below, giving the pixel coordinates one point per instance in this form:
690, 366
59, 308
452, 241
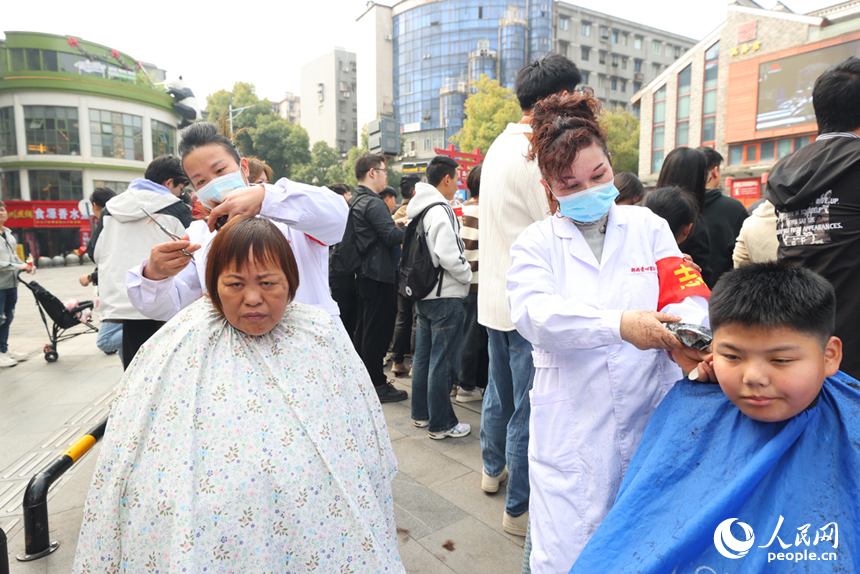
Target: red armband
678, 280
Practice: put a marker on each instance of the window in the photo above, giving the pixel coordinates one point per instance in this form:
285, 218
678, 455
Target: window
767, 151
586, 28
117, 186
736, 155
656, 47
16, 55
655, 69
563, 48
602, 58
615, 36
624, 86
563, 23
637, 42
677, 52
668, 49
584, 52
623, 63
53, 185
637, 65
637, 86
10, 185
52, 130
8, 146
709, 97
585, 77
614, 83
682, 129
604, 32
625, 37
163, 139
614, 61
658, 140
116, 135
601, 81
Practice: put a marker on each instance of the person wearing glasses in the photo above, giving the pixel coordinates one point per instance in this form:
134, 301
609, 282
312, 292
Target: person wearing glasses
126, 237
376, 237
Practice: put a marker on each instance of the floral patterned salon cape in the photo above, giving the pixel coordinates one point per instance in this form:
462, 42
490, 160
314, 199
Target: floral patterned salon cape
226, 452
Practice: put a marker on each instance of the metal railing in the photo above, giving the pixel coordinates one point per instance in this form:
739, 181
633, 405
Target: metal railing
37, 541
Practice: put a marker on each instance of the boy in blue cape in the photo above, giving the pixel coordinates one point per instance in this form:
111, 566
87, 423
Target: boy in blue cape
760, 473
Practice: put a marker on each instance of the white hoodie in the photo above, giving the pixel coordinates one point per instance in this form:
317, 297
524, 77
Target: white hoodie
442, 231
126, 240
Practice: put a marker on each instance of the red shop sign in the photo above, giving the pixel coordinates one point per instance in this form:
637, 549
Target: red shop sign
44, 214
746, 187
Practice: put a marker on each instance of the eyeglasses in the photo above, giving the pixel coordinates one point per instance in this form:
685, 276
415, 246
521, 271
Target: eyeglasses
382, 169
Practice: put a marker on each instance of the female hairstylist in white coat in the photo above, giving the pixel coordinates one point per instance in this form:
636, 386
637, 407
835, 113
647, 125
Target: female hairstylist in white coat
589, 287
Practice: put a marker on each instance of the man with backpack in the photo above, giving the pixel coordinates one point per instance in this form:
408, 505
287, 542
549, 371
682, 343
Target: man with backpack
434, 272
368, 249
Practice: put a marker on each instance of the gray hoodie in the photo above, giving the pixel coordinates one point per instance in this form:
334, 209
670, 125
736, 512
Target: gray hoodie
442, 231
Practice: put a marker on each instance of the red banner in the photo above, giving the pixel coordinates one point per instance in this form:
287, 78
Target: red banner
45, 214
678, 280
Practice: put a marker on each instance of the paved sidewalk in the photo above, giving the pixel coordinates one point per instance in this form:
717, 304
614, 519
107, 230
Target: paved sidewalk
446, 523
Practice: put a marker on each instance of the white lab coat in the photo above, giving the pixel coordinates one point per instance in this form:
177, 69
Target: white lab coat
309, 217
593, 393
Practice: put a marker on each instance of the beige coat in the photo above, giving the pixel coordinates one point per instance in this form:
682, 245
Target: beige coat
757, 242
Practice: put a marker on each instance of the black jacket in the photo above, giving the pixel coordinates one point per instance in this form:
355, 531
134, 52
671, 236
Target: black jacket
376, 234
698, 246
724, 215
816, 192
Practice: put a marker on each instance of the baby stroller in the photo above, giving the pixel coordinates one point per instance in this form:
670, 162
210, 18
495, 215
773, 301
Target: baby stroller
63, 318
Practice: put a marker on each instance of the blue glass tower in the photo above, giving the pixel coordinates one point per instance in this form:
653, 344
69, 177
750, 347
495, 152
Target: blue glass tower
435, 40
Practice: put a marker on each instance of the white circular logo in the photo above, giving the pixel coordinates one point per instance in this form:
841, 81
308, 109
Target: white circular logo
728, 545
408, 291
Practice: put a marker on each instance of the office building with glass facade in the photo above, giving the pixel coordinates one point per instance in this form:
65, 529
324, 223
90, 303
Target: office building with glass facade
74, 115
438, 47
745, 90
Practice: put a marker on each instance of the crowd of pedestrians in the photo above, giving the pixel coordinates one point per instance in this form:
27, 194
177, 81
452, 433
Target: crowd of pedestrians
259, 332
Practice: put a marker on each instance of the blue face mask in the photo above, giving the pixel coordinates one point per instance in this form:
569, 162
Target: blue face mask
216, 190
590, 205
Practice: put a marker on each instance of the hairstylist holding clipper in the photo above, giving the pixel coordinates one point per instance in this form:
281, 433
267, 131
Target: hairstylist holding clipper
589, 287
311, 218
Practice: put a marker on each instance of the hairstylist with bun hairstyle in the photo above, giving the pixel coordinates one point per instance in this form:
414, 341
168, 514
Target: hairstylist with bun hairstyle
589, 287
310, 217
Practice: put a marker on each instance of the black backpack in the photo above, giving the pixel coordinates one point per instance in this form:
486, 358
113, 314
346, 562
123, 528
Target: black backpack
418, 275
346, 257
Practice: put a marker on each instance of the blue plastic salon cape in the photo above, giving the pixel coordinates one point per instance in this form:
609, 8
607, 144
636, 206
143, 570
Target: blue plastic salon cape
791, 488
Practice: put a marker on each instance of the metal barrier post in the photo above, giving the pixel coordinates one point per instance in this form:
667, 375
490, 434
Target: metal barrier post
37, 541
4, 554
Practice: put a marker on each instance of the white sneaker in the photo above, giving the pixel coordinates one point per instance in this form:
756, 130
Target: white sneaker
475, 394
7, 361
491, 483
457, 431
420, 424
20, 357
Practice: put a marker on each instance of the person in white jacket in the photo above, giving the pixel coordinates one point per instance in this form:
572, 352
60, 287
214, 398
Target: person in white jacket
311, 218
589, 287
126, 237
440, 315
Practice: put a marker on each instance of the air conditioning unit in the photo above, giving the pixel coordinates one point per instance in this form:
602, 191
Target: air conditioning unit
388, 37
639, 76
410, 154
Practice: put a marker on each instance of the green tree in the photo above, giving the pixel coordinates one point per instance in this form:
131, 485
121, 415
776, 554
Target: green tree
258, 131
488, 112
280, 144
622, 138
324, 164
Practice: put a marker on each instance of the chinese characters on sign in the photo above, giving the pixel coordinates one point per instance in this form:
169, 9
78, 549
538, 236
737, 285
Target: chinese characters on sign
45, 214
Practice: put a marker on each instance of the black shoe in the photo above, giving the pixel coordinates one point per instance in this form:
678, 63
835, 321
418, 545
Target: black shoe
388, 394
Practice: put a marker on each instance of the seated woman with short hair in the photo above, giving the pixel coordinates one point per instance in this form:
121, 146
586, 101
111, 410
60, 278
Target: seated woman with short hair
246, 436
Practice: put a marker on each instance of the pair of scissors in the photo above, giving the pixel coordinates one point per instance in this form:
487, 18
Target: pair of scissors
173, 236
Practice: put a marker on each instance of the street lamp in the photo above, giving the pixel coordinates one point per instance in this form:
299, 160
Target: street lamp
238, 111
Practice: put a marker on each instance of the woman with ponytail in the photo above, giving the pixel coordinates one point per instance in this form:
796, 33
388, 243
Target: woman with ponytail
590, 287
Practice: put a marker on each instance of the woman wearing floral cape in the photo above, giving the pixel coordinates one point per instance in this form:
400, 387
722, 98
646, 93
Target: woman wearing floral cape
246, 436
